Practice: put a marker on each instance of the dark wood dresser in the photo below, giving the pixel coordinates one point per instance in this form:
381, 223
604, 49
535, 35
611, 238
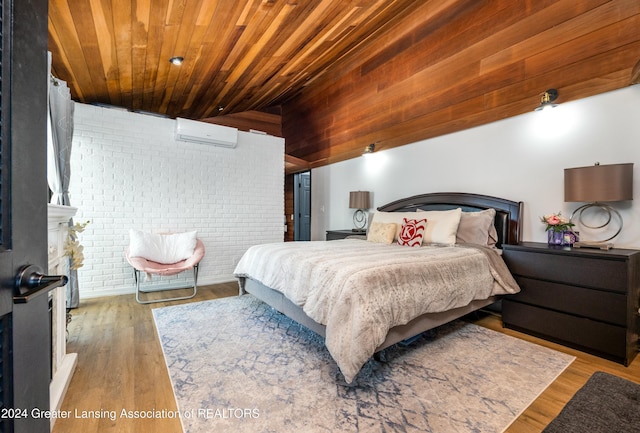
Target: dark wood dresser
583, 298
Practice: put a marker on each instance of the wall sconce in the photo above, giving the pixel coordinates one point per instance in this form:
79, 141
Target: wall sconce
359, 200
597, 184
177, 60
369, 149
547, 99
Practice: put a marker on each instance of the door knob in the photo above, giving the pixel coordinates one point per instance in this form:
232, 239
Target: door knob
31, 282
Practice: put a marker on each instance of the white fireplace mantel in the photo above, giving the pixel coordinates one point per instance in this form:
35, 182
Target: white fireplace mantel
63, 364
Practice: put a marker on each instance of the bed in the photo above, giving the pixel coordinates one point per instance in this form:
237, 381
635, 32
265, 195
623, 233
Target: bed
342, 290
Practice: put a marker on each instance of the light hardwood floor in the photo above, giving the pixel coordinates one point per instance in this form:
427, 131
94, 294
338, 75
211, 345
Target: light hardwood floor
121, 366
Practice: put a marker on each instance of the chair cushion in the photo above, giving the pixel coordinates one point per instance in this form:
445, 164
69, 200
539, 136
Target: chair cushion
150, 267
162, 248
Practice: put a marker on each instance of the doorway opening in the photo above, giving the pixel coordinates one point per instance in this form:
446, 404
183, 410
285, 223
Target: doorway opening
302, 206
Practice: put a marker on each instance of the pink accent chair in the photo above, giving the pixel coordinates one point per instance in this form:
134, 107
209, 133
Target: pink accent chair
141, 264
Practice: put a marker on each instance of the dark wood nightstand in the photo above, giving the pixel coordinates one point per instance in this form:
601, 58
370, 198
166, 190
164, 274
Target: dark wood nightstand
333, 235
583, 298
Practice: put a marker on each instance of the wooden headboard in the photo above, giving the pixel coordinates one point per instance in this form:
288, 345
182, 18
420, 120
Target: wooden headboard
508, 213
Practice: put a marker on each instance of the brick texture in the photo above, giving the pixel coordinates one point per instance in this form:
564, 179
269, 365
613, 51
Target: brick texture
128, 171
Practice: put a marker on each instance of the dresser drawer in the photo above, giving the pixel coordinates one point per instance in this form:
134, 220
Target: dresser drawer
584, 334
595, 304
578, 271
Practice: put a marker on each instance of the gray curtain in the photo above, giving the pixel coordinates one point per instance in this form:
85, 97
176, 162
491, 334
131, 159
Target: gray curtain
59, 157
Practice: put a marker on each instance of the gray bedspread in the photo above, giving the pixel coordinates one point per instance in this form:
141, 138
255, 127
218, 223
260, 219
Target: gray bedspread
359, 290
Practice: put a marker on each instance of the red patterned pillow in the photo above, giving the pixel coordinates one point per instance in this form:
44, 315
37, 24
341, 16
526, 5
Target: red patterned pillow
412, 232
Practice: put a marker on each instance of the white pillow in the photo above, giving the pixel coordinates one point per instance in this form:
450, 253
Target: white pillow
162, 248
442, 226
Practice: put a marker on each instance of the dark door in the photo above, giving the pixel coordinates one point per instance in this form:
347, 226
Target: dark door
24, 320
302, 206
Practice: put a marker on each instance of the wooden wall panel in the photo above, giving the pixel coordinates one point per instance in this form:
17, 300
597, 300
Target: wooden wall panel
247, 120
429, 80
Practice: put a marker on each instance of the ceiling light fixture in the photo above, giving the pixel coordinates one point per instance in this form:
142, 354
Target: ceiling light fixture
547, 99
369, 149
177, 60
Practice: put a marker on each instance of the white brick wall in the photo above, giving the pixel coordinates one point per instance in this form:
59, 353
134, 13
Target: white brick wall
127, 171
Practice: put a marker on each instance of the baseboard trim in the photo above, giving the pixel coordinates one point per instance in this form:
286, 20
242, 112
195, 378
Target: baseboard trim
132, 290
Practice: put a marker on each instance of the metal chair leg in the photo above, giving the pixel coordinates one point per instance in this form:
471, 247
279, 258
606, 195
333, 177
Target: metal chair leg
151, 301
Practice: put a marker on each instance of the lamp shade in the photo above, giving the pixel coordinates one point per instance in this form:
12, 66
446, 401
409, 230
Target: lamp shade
359, 200
599, 183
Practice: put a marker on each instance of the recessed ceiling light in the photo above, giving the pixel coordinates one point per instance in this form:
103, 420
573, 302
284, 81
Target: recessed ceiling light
176, 60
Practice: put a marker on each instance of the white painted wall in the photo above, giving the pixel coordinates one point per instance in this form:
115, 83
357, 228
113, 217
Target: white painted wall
521, 158
127, 171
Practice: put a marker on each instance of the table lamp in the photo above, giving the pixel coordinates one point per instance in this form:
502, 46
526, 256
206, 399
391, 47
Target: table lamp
360, 201
597, 185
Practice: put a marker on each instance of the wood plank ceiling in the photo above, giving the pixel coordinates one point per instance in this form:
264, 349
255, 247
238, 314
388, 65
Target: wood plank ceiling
238, 54
343, 73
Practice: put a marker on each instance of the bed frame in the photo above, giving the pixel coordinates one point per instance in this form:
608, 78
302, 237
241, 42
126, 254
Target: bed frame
508, 226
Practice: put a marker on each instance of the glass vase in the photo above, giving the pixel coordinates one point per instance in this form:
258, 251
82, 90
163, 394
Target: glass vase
555, 238
565, 237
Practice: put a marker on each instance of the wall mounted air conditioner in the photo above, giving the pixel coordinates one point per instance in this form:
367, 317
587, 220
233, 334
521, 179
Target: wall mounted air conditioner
206, 133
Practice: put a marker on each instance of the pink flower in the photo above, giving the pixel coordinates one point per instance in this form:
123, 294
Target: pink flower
553, 220
556, 222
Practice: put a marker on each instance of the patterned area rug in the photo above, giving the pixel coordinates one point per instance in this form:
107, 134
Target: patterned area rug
237, 365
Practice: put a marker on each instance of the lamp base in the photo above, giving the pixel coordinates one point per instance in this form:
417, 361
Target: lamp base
601, 244
596, 245
359, 220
